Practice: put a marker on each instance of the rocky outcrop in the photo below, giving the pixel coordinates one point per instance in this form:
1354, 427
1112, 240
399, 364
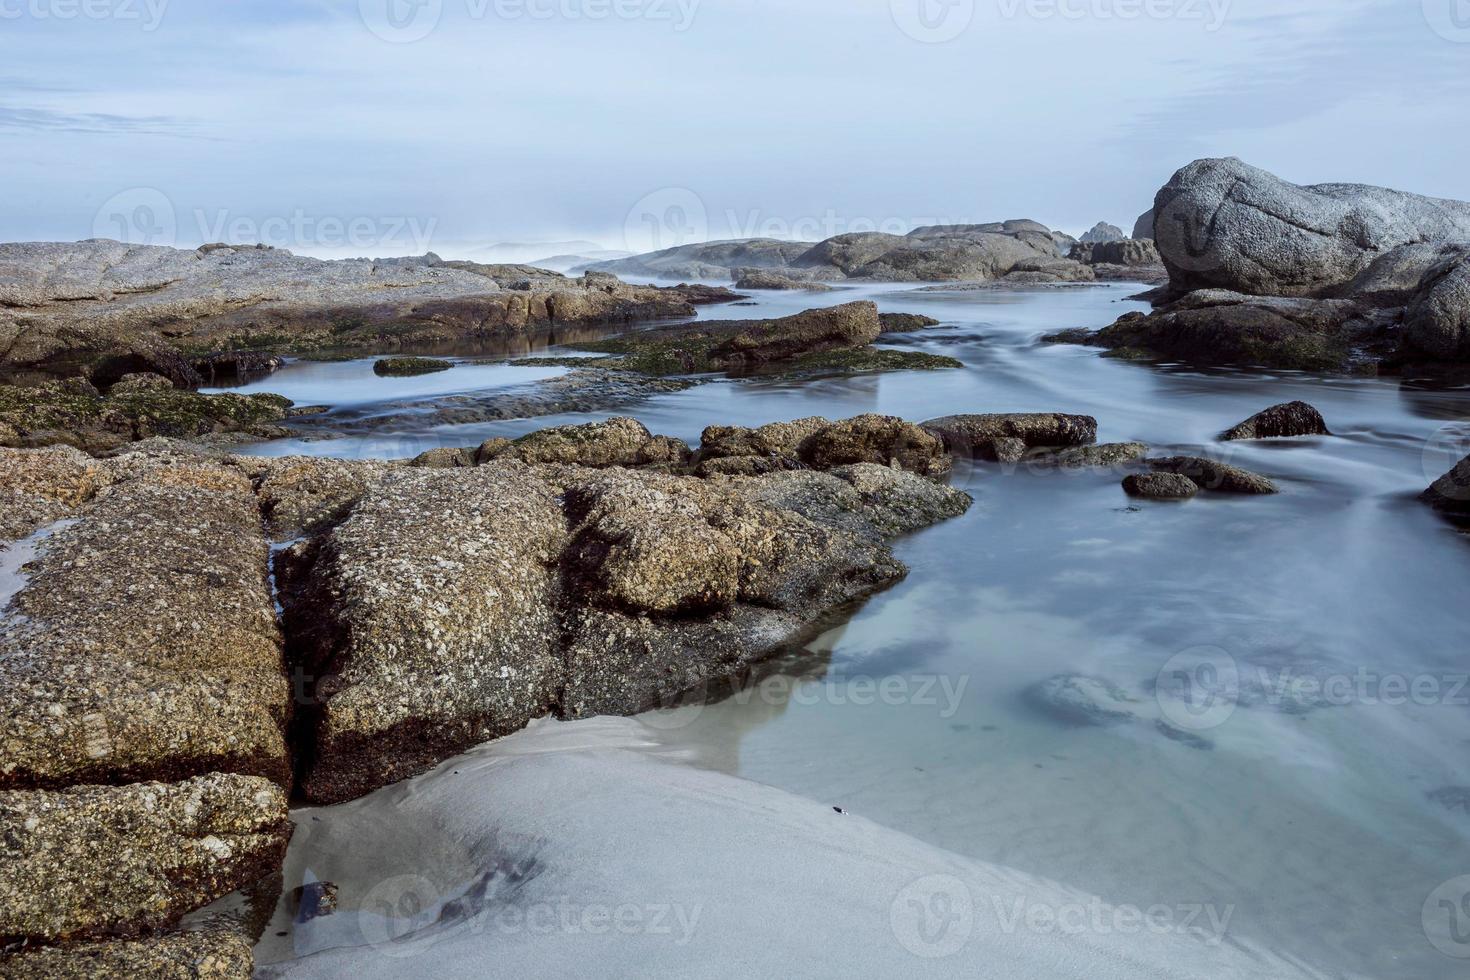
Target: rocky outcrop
707, 260
1280, 421
1451, 492
138, 406
830, 338
455, 605
817, 443
1223, 224
1437, 321
104, 308
143, 644
769, 279
1208, 474
1144, 226
1132, 260
1009, 437
409, 367
615, 442
1219, 327
37, 488
124, 860
1102, 232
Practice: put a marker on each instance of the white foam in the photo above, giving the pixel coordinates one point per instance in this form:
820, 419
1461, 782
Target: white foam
586, 849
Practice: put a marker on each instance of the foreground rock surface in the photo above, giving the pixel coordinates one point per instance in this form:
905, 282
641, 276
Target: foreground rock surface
452, 606
215, 954
121, 860
143, 643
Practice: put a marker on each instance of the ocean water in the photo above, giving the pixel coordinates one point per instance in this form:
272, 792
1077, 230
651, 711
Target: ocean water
1299, 746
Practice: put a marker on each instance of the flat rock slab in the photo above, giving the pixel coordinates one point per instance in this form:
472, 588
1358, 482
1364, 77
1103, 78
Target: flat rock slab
107, 860
143, 644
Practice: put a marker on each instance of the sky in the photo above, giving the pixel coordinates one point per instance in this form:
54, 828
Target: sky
513, 129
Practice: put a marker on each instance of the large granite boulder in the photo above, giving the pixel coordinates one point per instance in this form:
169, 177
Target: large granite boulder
1437, 322
423, 622
1223, 224
143, 643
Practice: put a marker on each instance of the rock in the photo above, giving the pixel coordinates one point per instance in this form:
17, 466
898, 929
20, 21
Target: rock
1103, 232
615, 442
236, 366
708, 260
1279, 421
1451, 492
138, 406
1223, 224
1144, 226
1078, 699
307, 494
905, 322
981, 436
491, 448
40, 486
216, 954
122, 860
1217, 327
408, 367
1160, 486
452, 606
769, 279
443, 458
108, 308
1437, 322
426, 619
881, 439
143, 643
1211, 475
702, 294
1087, 457
743, 345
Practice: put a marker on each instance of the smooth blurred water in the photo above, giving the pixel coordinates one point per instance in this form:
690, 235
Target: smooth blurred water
1324, 829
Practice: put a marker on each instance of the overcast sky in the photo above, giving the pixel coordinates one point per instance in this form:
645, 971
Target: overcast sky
393, 126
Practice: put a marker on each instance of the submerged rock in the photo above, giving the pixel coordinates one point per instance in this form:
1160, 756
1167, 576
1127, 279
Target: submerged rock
408, 367
122, 860
1160, 486
1208, 474
1088, 457
1006, 437
1078, 699
1280, 421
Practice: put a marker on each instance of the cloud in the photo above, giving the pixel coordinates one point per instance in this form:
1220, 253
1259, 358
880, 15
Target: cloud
38, 119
